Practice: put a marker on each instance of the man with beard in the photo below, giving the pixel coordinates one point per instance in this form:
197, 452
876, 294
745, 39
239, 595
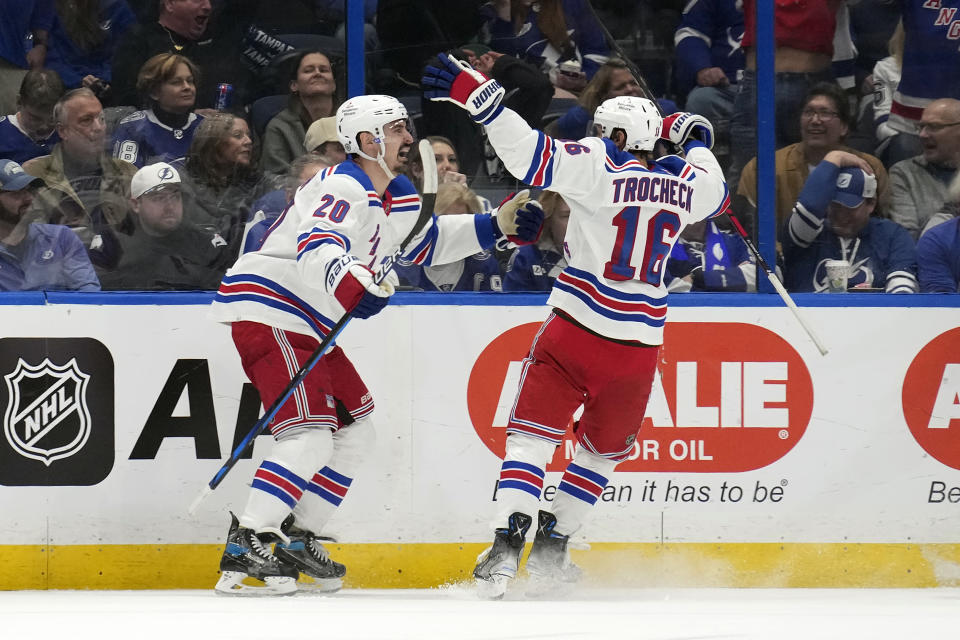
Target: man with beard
36, 256
164, 252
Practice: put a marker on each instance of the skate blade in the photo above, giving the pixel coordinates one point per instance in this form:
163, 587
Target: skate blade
549, 585
492, 589
237, 583
309, 584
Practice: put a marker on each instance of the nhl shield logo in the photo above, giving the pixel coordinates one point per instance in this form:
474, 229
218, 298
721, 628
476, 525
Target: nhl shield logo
47, 417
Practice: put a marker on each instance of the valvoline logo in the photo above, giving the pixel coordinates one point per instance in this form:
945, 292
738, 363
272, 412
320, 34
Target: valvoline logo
729, 397
931, 398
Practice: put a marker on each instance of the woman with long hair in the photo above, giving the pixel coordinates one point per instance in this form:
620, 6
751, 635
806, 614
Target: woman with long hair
313, 95
83, 39
163, 131
220, 177
448, 163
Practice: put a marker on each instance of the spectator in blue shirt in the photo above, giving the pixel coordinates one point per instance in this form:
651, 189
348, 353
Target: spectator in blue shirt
549, 33
24, 33
37, 256
938, 250
31, 131
833, 220
938, 258
164, 131
708, 58
534, 267
84, 36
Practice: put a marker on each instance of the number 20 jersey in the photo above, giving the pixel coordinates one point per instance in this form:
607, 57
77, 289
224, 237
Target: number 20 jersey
624, 220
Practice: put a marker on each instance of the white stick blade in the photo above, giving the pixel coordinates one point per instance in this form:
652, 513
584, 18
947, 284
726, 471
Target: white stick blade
429, 166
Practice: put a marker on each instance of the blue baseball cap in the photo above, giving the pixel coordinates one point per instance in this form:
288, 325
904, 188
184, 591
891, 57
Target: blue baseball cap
853, 187
14, 178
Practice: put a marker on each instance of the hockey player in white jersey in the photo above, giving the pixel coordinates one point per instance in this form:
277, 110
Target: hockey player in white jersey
316, 263
599, 346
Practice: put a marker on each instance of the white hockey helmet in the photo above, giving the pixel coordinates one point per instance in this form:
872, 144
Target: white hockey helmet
638, 117
367, 113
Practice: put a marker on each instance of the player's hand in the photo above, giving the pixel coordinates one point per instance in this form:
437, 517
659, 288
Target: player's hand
682, 129
37, 56
455, 81
454, 177
519, 218
360, 295
575, 81
846, 159
712, 77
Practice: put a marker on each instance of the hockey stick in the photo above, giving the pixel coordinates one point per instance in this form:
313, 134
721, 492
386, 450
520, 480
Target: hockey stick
634, 70
775, 281
426, 212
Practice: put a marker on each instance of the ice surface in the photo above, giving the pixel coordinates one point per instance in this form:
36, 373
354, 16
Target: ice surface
455, 613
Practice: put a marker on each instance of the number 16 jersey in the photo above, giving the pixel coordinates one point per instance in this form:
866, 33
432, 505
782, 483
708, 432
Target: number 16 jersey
625, 218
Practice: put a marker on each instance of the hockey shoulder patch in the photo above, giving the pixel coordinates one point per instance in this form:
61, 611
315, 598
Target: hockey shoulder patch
134, 117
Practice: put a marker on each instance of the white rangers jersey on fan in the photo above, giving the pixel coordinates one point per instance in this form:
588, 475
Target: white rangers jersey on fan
289, 281
624, 220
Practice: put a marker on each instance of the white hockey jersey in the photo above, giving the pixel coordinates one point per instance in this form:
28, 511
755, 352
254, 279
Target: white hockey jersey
624, 220
288, 282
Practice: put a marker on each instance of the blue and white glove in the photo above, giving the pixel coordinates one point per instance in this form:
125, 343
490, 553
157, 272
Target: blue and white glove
519, 218
457, 82
687, 130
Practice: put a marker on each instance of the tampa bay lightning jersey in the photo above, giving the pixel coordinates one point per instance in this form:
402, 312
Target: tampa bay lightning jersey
625, 218
479, 272
141, 139
16, 145
881, 256
288, 281
534, 267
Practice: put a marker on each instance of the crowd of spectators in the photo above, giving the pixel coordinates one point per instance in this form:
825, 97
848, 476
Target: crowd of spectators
167, 135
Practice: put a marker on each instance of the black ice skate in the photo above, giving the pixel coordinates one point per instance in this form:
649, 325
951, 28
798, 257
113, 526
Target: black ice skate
497, 565
549, 563
306, 552
248, 556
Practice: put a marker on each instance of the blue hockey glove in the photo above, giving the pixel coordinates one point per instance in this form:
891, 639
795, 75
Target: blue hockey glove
457, 82
687, 130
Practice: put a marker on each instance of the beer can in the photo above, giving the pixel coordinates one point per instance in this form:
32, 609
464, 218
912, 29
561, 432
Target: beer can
224, 94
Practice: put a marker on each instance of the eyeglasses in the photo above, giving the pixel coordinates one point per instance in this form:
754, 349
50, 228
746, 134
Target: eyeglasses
936, 127
823, 114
